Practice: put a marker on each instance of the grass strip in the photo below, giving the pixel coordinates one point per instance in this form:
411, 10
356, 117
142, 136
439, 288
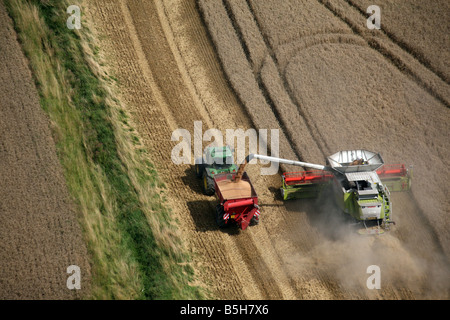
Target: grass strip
135, 250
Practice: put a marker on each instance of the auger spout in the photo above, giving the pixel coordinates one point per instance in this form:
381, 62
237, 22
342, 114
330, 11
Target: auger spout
291, 162
274, 159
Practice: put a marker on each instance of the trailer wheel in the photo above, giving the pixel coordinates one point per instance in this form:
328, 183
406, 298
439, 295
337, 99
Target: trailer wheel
254, 221
208, 184
220, 212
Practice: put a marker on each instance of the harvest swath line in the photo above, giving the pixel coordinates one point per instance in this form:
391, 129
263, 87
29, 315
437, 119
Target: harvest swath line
425, 62
268, 287
221, 66
238, 30
391, 57
257, 73
226, 75
320, 141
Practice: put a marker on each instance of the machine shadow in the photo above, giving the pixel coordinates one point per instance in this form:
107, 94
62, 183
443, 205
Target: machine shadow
203, 210
203, 215
191, 180
323, 214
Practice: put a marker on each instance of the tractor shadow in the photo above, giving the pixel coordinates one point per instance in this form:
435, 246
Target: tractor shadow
191, 180
276, 194
202, 213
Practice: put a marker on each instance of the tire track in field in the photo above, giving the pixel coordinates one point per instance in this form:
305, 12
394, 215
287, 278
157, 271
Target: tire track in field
402, 44
390, 291
433, 87
286, 125
220, 255
418, 75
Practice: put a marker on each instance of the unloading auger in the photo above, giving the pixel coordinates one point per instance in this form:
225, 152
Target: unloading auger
360, 181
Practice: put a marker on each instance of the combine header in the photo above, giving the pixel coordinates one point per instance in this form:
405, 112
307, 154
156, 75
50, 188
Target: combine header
360, 182
304, 184
396, 177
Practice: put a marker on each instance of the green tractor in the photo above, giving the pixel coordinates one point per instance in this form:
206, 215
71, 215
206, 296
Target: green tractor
215, 160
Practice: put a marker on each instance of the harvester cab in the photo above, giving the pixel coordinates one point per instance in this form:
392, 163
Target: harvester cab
359, 180
361, 193
215, 160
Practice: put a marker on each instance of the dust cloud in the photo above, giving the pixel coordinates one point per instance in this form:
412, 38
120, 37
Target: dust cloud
344, 256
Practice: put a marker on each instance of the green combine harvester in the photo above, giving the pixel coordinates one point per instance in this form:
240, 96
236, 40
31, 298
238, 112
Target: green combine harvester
215, 160
360, 181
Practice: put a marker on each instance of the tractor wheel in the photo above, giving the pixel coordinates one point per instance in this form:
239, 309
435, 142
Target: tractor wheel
199, 167
208, 184
220, 211
198, 170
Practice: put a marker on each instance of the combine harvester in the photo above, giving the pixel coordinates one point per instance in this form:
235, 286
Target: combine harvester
360, 182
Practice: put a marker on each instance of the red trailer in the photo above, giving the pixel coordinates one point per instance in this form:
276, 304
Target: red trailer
238, 202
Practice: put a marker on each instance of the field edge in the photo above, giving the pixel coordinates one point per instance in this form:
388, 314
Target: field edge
134, 248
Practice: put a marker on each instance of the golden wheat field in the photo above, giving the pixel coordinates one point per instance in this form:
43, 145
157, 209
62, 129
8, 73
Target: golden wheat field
333, 84
40, 234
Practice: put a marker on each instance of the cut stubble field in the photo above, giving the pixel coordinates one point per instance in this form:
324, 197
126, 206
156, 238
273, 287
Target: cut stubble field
334, 85
303, 68
310, 68
40, 235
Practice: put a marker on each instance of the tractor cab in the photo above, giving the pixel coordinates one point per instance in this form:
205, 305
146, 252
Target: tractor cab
365, 200
215, 160
220, 157
369, 200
